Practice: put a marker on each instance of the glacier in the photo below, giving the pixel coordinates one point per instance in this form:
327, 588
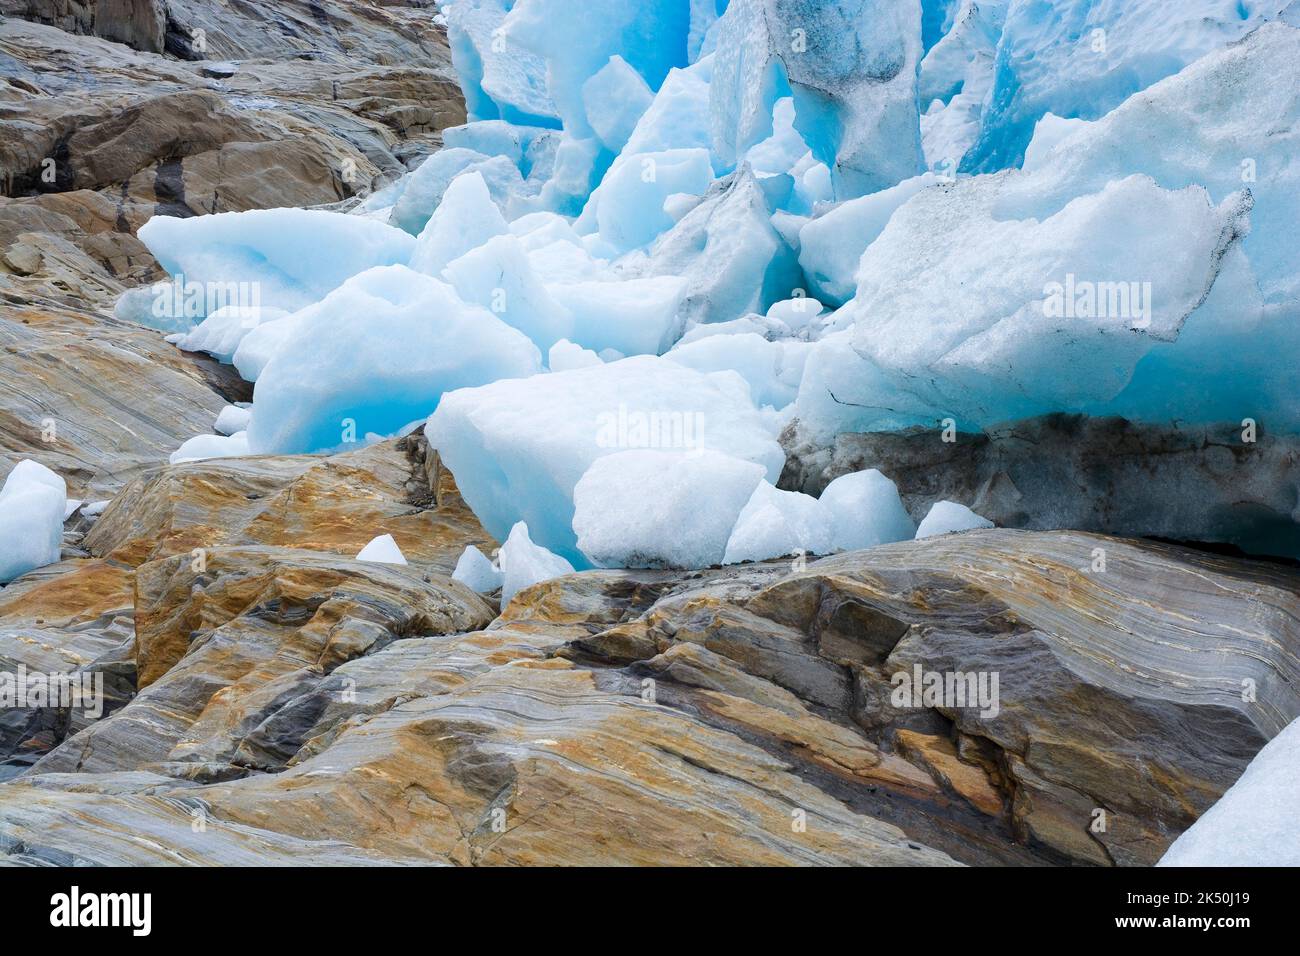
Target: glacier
676, 238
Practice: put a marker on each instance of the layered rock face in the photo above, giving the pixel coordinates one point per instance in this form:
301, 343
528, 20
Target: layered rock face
1231, 484
97, 137
270, 699
262, 696
138, 23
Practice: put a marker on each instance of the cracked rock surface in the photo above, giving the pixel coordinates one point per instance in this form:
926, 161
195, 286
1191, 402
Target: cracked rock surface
281, 703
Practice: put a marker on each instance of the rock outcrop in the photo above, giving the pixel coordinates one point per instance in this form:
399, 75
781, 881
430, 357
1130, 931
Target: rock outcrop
279, 704
99, 137
263, 697
137, 23
1234, 484
333, 503
96, 399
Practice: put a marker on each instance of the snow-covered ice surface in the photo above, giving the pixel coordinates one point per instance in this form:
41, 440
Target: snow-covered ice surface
1257, 822
674, 230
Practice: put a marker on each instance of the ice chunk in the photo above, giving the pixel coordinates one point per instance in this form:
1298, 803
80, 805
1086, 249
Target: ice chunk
498, 276
956, 76
945, 517
865, 510
796, 314
538, 230
424, 189
259, 344
256, 258
679, 204
679, 116
29, 474
1152, 329
704, 18
382, 550
565, 355
731, 257
491, 138
524, 564
774, 523
843, 391
1049, 132
477, 572
783, 150
1082, 58
968, 311
832, 244
627, 210
497, 76
580, 163
655, 509
1254, 823
851, 67
464, 220
33, 500
1236, 127
518, 448
233, 418
772, 369
937, 18
221, 332
813, 186
374, 355
211, 446
637, 316
576, 42
768, 327
156, 307
614, 99
564, 262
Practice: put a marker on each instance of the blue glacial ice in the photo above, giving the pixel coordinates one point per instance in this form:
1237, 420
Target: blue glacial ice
1082, 58
519, 447
779, 217
377, 354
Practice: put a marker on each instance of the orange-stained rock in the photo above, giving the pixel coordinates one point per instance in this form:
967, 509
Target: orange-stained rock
317, 503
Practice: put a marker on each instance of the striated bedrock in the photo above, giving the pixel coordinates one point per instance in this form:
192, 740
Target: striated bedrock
332, 503
96, 399
1234, 483
82, 615
279, 109
85, 113
296, 705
